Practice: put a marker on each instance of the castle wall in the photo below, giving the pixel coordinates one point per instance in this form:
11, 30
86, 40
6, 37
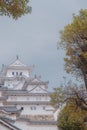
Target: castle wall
28, 98
33, 99
16, 72
2, 127
36, 109
28, 126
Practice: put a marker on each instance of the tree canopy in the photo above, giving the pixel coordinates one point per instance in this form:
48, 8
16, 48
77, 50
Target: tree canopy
71, 93
57, 97
14, 8
71, 118
74, 40
73, 101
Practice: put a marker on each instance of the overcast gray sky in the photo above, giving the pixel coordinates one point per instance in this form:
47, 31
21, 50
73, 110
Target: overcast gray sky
34, 37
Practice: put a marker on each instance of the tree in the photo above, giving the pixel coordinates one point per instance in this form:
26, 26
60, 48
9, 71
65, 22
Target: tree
14, 8
74, 41
71, 92
74, 115
71, 118
57, 97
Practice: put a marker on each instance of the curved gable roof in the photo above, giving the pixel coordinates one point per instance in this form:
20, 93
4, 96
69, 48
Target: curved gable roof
17, 63
8, 125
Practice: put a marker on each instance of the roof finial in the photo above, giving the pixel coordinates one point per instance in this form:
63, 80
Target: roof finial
35, 76
17, 57
2, 65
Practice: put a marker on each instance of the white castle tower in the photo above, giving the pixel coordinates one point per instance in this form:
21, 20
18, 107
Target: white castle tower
24, 101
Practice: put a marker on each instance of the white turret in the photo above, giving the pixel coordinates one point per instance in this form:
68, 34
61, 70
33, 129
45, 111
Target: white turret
15, 73
25, 99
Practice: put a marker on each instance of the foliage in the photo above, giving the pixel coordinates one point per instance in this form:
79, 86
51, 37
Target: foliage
74, 114
57, 97
74, 40
71, 92
71, 118
14, 8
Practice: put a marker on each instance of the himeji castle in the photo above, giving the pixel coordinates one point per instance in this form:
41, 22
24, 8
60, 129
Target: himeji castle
24, 100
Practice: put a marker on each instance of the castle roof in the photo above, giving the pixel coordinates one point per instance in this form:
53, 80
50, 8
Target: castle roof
27, 103
16, 65
38, 122
8, 124
9, 109
36, 81
24, 93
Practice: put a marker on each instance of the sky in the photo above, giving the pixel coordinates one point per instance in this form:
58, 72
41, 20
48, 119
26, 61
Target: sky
34, 37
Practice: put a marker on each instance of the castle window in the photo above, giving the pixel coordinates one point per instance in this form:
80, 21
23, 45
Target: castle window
20, 73
12, 98
33, 108
22, 108
38, 98
16, 73
12, 73
27, 98
46, 98
43, 107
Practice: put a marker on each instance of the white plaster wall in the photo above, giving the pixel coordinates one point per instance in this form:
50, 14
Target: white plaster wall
36, 110
28, 98
9, 72
0, 93
43, 127
27, 126
18, 87
2, 127
14, 84
12, 116
30, 87
1, 103
37, 89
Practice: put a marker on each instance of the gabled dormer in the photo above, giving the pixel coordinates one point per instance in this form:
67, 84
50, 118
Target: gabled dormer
15, 74
17, 68
36, 85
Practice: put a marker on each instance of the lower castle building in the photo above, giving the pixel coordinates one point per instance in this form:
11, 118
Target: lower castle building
24, 101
